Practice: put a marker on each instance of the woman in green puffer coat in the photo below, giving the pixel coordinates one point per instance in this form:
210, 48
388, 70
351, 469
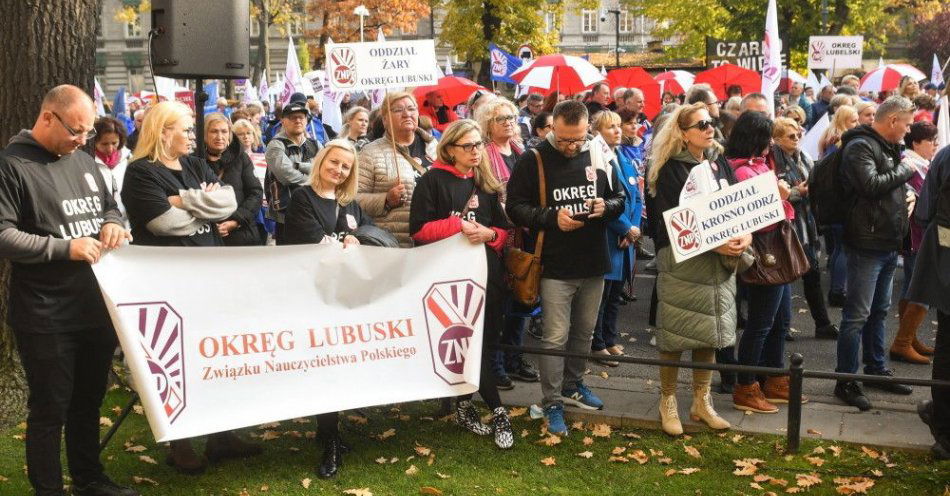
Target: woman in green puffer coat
697, 309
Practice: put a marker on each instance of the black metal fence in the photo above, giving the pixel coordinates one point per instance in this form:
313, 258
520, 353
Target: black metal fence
796, 372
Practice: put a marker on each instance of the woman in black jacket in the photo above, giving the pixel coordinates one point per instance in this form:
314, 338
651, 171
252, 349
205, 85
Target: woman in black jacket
173, 199
325, 212
233, 167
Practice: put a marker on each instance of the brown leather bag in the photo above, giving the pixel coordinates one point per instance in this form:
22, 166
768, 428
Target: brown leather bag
779, 257
524, 268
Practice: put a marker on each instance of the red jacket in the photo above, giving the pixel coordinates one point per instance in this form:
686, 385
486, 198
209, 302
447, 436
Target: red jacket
429, 112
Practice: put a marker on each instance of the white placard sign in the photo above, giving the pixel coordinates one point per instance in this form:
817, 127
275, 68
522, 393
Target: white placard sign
377, 65
835, 52
224, 338
708, 221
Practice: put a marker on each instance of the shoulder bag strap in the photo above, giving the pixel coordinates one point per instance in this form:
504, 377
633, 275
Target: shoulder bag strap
542, 195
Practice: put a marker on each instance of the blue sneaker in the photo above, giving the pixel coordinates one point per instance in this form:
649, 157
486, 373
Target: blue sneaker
555, 417
582, 397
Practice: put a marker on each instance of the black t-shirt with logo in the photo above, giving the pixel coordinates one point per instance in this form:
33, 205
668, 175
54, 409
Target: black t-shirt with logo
310, 217
145, 193
440, 194
60, 197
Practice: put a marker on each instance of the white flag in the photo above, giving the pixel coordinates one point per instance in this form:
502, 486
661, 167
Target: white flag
448, 65
292, 75
772, 57
99, 97
813, 137
880, 61
262, 89
936, 73
250, 92
943, 123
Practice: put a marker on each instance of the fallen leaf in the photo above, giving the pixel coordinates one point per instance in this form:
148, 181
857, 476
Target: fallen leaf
386, 434
525, 433
747, 412
147, 459
358, 492
639, 456
737, 438
431, 460
691, 451
310, 434
412, 470
442, 476
301, 420
588, 441
381, 460
654, 452
269, 435
664, 461
357, 419
877, 473
604, 375
793, 489
870, 453
814, 460
306, 483
517, 412
135, 449
585, 454
687, 471
632, 435
577, 426
836, 450
393, 460
744, 468
818, 450
618, 459
548, 461
814, 432
138, 410
105, 421
601, 430
669, 472
618, 450
550, 440
430, 490
755, 485
272, 425
117, 409
265, 488
143, 480
806, 480
422, 450
855, 485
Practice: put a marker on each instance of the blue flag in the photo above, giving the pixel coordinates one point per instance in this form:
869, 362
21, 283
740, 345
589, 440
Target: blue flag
121, 112
502, 64
211, 104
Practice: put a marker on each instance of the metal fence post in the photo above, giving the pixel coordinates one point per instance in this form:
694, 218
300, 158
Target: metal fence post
795, 373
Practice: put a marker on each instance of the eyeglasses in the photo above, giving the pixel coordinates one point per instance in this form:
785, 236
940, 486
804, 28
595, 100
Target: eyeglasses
570, 142
501, 119
701, 125
88, 135
470, 147
794, 136
403, 110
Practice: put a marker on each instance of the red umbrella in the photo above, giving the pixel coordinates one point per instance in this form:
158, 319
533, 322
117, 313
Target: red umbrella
636, 77
676, 82
564, 73
454, 90
722, 77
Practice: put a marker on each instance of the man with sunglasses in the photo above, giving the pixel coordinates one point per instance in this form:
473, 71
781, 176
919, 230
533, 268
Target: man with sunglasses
579, 201
56, 218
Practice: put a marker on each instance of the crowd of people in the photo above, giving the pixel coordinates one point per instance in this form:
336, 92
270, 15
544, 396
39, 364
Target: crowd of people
584, 179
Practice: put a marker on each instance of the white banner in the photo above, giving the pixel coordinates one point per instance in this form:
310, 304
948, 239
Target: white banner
706, 222
377, 65
224, 338
835, 52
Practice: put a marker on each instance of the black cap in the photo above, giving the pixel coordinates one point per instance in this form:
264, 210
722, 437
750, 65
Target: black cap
298, 97
295, 106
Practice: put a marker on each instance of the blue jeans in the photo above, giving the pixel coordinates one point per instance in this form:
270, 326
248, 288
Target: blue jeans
605, 332
763, 340
870, 283
838, 260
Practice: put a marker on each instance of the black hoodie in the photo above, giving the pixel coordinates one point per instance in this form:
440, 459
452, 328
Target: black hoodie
876, 179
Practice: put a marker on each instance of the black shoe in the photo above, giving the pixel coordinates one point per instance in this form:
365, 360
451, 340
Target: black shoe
525, 372
851, 393
890, 387
332, 458
940, 452
837, 299
104, 487
503, 383
829, 331
644, 254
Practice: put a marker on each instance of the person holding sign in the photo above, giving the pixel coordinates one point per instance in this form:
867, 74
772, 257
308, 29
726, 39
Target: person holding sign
393, 164
459, 194
697, 297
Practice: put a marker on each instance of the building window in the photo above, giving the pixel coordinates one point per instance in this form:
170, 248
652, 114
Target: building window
589, 21
255, 28
136, 79
295, 28
626, 21
134, 29
550, 22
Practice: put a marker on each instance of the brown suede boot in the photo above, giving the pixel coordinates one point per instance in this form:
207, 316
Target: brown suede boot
776, 389
921, 348
182, 457
748, 397
224, 445
902, 349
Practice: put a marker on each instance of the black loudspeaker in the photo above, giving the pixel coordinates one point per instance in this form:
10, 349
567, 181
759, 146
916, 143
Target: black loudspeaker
201, 39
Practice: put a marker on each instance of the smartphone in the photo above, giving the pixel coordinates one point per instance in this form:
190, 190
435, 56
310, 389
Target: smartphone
581, 216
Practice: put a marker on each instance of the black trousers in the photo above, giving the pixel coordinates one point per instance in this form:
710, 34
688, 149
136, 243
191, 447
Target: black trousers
941, 371
495, 295
814, 296
328, 425
67, 374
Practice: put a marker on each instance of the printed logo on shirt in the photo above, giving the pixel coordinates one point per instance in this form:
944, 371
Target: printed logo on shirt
91, 181
469, 216
591, 173
87, 210
453, 310
686, 236
473, 203
160, 328
351, 221
574, 198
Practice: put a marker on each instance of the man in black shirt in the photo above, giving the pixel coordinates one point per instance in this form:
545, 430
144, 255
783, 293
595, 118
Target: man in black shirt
56, 218
599, 98
579, 200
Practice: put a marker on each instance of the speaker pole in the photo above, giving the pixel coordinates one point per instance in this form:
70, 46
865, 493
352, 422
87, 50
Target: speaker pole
200, 98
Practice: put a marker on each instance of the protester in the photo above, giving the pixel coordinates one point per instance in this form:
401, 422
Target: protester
289, 160
733, 104
755, 102
65, 339
794, 166
355, 125
385, 197
233, 167
622, 233
222, 107
852, 81
865, 112
255, 112
534, 104
921, 144
797, 114
553, 98
696, 297
112, 157
877, 221
138, 116
908, 88
459, 194
249, 136
820, 107
926, 107
540, 127
631, 142
479, 97
668, 97
702, 93
617, 99
439, 113
599, 98
574, 254
796, 98
845, 118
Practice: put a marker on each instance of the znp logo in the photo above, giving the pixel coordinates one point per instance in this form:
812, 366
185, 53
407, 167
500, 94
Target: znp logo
453, 309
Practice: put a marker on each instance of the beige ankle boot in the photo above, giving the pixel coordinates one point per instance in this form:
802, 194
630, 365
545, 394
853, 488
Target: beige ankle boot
702, 409
669, 416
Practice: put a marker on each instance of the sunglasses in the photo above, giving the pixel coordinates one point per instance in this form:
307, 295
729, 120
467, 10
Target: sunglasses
470, 147
795, 136
701, 125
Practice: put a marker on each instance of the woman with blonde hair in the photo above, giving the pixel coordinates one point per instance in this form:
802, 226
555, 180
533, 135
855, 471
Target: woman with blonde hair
459, 194
174, 199
498, 120
845, 118
355, 126
234, 167
866, 112
248, 135
387, 179
909, 88
795, 113
696, 297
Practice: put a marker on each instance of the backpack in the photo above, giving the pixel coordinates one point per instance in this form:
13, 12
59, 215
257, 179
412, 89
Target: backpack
277, 193
826, 193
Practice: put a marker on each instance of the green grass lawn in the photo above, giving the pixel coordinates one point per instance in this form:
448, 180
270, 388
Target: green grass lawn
461, 463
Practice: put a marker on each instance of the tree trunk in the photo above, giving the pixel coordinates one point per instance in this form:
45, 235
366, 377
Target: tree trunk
263, 46
491, 23
46, 43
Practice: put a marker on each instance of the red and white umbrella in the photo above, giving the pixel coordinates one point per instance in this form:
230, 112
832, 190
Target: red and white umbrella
676, 82
454, 90
563, 73
889, 77
790, 77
